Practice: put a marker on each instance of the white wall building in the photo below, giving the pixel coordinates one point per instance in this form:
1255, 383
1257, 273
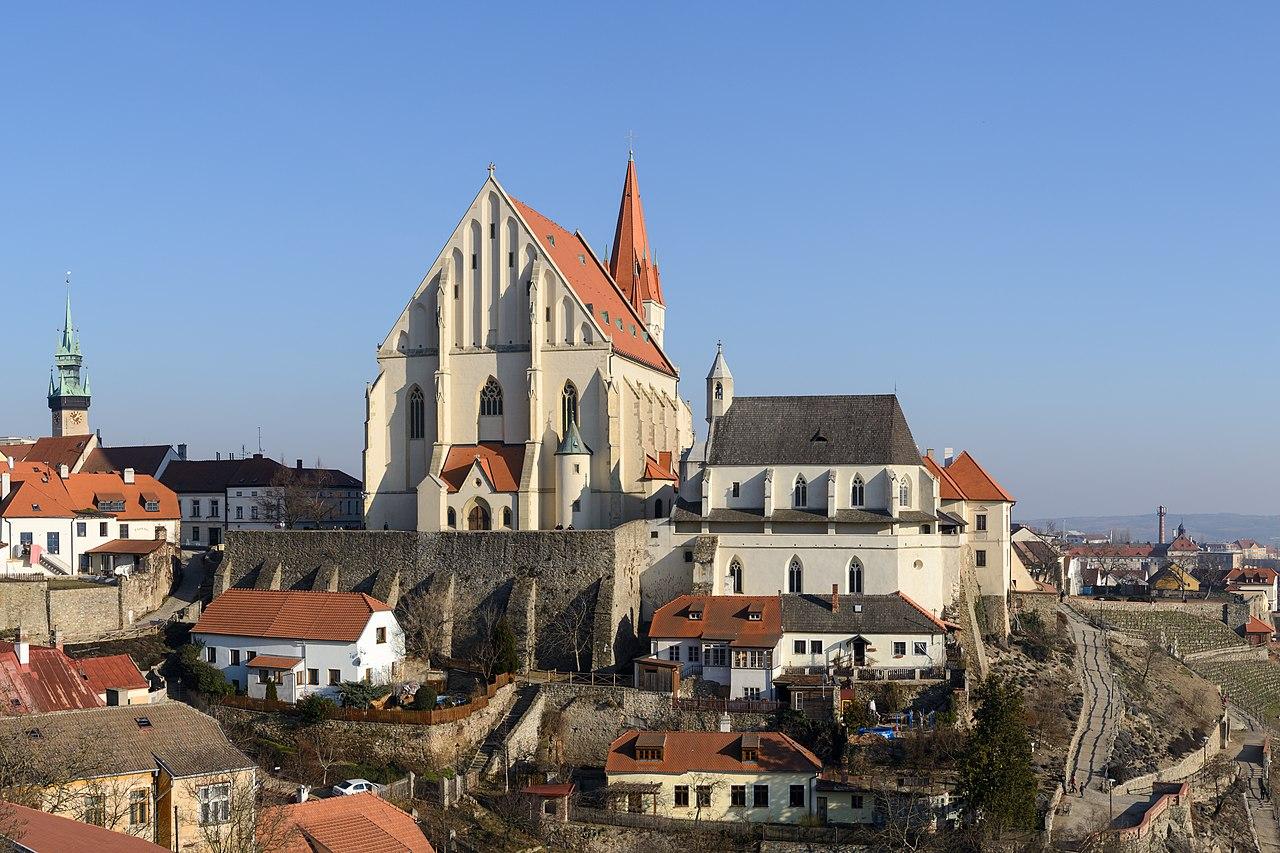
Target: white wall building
307, 642
517, 336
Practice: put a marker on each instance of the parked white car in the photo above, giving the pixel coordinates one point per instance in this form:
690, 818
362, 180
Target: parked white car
354, 786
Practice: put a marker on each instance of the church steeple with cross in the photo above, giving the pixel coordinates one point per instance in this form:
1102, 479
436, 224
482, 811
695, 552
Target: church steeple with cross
68, 381
632, 263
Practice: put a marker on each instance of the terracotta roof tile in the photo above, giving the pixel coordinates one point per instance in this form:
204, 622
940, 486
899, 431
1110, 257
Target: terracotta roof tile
593, 285
38, 485
111, 672
948, 490
1252, 575
974, 482
724, 617
363, 823
653, 470
42, 832
138, 547
502, 464
714, 752
289, 614
1257, 626
274, 662
51, 450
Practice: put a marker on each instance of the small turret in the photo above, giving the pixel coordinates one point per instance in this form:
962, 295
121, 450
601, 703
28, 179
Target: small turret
573, 479
719, 389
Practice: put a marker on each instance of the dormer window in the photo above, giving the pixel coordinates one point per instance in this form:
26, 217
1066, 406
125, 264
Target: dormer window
695, 614
649, 746
152, 506
750, 747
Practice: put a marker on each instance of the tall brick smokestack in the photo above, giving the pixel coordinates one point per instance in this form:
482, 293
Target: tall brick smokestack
1160, 514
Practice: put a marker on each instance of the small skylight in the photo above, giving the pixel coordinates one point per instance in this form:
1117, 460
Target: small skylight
551, 238
818, 436
143, 722
34, 734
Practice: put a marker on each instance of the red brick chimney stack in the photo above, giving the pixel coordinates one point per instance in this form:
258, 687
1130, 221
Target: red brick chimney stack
835, 597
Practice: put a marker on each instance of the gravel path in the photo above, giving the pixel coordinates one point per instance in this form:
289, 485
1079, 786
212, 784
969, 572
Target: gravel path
1086, 766
1260, 805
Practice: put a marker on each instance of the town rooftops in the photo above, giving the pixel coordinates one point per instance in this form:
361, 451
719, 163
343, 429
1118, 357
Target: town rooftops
142, 458
135, 547
49, 681
711, 752
864, 429
40, 492
857, 614
128, 739
111, 672
745, 621
69, 450
1252, 575
501, 464
363, 823
41, 832
289, 614
198, 476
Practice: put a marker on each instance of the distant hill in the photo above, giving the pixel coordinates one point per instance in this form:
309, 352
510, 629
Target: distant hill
1205, 527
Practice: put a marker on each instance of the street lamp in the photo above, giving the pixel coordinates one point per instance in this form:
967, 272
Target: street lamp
1111, 812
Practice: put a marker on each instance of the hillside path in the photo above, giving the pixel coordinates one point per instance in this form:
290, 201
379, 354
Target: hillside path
1261, 806
1096, 729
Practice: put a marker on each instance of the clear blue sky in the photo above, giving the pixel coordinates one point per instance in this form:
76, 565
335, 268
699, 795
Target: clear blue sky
1053, 227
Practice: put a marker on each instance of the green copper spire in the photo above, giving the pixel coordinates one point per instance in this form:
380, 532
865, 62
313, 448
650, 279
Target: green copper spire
70, 380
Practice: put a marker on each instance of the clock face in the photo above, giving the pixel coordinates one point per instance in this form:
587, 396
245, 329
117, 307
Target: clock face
77, 418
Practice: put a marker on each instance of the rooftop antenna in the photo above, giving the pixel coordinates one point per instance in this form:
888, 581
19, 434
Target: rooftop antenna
259, 439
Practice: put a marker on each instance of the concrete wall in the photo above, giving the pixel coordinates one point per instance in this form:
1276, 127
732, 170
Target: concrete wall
533, 578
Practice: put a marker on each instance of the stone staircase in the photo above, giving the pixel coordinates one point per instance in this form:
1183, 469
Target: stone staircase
491, 748
54, 564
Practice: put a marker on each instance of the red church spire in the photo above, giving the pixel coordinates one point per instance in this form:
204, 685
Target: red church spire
631, 262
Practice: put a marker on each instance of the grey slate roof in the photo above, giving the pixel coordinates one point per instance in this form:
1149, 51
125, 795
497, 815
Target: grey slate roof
109, 741
863, 429
881, 614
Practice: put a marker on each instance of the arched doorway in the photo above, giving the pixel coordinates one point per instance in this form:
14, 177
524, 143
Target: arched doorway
478, 516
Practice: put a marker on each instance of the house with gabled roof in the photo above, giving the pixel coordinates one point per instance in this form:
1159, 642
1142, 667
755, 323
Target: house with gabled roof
362, 823
303, 642
525, 385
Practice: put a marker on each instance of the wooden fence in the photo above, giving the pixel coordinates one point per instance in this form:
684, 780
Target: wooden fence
743, 829
594, 679
407, 717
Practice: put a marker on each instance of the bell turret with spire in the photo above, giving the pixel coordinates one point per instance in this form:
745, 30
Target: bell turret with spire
719, 389
632, 263
68, 381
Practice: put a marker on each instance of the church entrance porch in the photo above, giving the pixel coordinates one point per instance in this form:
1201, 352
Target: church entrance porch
478, 516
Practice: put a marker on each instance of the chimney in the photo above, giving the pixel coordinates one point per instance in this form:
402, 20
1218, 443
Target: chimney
835, 598
182, 452
928, 451
299, 465
63, 471
726, 722
6, 486
1160, 514
128, 476
303, 790
217, 454
22, 648
948, 454
57, 640
257, 456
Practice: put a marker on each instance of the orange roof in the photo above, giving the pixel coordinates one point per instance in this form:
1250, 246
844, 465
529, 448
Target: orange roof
974, 482
42, 832
501, 463
653, 470
289, 614
724, 617
129, 546
362, 823
111, 671
1252, 575
50, 681
947, 488
40, 493
713, 752
1257, 626
52, 450
274, 662
631, 264
594, 287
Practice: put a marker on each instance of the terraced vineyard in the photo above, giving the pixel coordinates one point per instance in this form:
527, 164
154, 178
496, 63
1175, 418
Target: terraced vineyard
1192, 633
1252, 684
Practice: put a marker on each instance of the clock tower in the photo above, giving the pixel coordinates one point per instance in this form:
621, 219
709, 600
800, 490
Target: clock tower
69, 383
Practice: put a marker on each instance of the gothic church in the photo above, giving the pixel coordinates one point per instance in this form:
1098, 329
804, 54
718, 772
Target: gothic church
525, 386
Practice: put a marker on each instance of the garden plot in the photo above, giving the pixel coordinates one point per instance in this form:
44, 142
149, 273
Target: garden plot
1190, 633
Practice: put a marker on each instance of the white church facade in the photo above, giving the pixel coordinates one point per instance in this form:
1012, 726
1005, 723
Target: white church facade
524, 386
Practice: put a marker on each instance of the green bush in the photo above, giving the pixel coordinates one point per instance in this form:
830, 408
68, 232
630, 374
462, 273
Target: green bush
272, 695
504, 642
357, 694
199, 674
424, 699
315, 709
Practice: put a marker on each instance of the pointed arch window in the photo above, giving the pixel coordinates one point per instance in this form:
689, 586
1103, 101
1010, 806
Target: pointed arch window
735, 576
506, 517
568, 406
858, 492
719, 391
417, 414
491, 398
855, 576
657, 508
904, 491
800, 492
795, 576
452, 517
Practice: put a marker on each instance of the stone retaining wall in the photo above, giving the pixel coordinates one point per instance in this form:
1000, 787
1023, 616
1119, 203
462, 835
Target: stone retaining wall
532, 577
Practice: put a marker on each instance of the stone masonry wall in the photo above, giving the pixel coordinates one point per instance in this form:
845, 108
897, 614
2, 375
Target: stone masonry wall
534, 578
84, 613
24, 604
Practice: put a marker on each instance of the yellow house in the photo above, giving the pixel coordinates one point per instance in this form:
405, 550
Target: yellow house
761, 777
165, 773
1174, 578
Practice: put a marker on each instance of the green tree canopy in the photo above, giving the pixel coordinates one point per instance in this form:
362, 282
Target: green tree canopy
997, 783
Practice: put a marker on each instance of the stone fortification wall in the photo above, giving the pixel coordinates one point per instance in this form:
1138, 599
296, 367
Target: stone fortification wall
25, 604
86, 612
1233, 613
533, 578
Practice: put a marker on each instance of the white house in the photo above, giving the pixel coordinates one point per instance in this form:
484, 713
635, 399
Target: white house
761, 777
729, 640
53, 521
306, 642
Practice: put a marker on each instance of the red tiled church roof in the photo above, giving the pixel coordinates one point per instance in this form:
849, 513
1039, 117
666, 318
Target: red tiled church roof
289, 614
974, 482
502, 464
631, 263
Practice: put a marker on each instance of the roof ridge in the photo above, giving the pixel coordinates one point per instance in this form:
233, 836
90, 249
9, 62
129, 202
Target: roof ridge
925, 613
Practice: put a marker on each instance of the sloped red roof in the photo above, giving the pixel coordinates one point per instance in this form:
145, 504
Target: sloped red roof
1183, 543
1252, 575
711, 752
139, 547
653, 470
631, 263
1111, 551
289, 614
947, 488
1257, 626
40, 493
502, 464
724, 617
111, 672
974, 482
50, 681
43, 832
591, 281
51, 450
274, 662
362, 823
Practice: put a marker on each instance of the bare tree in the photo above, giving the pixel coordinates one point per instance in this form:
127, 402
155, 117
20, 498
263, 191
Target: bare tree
484, 652
245, 825
295, 497
321, 748
571, 630
425, 625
